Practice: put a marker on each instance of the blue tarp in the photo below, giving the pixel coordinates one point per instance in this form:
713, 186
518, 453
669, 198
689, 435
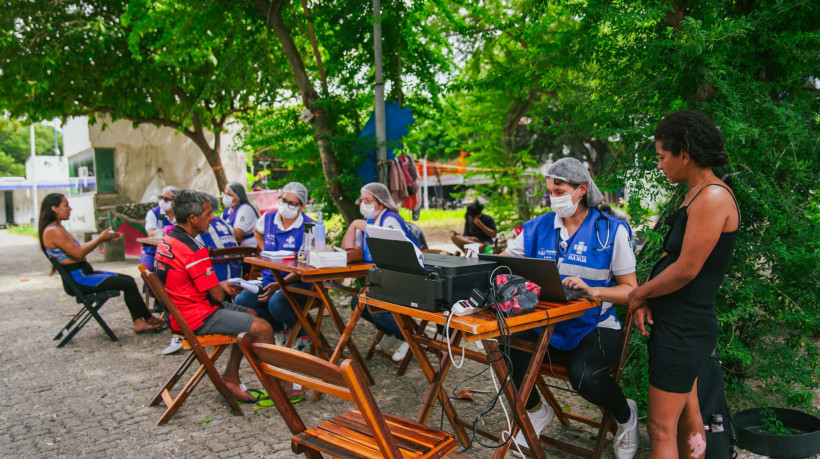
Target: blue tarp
397, 120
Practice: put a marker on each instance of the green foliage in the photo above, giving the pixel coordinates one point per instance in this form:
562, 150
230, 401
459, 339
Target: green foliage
772, 424
15, 146
23, 230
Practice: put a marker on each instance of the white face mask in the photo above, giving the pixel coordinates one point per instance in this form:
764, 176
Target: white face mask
563, 206
166, 206
368, 210
227, 201
289, 212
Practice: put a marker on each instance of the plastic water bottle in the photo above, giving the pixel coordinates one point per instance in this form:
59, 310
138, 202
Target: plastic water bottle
159, 232
319, 236
365, 249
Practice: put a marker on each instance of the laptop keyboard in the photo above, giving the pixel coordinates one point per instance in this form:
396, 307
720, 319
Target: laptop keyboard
573, 294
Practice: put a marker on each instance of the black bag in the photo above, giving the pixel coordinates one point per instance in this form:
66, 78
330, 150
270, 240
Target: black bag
720, 432
515, 295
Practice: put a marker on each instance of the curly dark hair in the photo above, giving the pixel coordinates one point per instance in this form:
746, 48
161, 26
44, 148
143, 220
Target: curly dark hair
695, 134
474, 209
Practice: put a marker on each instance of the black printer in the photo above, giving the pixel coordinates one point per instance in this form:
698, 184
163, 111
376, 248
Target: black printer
399, 278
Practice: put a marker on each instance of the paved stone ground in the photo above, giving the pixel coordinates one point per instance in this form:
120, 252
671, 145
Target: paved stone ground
91, 397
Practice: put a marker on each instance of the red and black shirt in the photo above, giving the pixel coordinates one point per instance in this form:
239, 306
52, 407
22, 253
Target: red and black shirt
185, 268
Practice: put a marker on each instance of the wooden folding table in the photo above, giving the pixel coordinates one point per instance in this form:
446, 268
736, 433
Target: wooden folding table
321, 279
480, 327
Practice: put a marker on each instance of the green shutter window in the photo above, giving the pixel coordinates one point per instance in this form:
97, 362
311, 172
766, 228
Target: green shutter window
106, 173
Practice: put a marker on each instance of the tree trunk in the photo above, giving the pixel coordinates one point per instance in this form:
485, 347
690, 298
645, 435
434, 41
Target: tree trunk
212, 154
514, 115
271, 11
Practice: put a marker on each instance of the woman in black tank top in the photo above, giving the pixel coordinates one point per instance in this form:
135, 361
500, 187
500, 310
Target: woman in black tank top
679, 297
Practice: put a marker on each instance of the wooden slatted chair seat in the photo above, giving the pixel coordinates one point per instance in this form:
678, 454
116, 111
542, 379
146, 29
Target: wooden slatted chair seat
209, 340
361, 433
349, 431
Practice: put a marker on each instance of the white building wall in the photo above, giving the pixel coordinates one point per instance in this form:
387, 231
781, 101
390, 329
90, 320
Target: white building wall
143, 152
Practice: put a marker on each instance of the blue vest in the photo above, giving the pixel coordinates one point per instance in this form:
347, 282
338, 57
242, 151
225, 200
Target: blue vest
389, 213
230, 217
224, 239
276, 239
579, 259
149, 249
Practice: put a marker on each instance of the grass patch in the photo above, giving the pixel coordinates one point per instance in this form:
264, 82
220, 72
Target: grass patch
436, 219
23, 230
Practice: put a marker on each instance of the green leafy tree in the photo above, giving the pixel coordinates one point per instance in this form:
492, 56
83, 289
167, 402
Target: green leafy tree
189, 66
15, 146
330, 47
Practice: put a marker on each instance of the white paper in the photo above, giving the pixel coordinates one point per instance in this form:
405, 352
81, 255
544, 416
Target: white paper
328, 258
392, 234
276, 254
249, 286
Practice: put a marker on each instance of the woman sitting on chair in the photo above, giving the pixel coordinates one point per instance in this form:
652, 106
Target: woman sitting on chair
58, 244
376, 203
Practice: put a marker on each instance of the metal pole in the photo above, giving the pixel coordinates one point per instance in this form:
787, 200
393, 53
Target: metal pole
33, 177
426, 191
56, 145
379, 89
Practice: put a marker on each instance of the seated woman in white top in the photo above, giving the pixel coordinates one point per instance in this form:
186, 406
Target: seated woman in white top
377, 203
239, 213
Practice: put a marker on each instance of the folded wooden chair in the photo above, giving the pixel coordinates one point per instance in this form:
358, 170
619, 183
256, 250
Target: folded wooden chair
197, 344
606, 424
92, 302
364, 432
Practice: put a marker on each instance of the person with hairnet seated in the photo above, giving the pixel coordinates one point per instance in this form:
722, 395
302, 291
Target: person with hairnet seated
239, 213
593, 254
282, 229
376, 203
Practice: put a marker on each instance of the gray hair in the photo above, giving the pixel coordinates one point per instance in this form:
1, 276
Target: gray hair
382, 194
188, 203
573, 171
171, 189
211, 198
298, 189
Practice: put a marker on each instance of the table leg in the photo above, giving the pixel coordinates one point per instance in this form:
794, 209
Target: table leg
518, 398
302, 316
344, 340
436, 391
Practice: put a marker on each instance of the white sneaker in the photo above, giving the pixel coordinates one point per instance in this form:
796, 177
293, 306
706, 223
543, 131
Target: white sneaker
279, 339
540, 420
302, 343
176, 344
401, 352
625, 444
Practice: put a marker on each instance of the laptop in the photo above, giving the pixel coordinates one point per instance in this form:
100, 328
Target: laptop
542, 272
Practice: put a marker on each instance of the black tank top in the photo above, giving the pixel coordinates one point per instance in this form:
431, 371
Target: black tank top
703, 289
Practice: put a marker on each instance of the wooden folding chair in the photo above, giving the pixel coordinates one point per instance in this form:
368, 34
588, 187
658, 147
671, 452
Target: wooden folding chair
364, 432
606, 423
197, 344
92, 302
230, 254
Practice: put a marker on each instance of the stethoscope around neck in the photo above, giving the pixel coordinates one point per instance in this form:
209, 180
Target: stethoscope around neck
561, 244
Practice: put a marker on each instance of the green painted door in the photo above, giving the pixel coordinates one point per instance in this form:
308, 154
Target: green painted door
106, 174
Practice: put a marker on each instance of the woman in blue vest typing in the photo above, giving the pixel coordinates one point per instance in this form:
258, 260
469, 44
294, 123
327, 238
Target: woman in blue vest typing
282, 229
593, 253
239, 213
376, 203
156, 220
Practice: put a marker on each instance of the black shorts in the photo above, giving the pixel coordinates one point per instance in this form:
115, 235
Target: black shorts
680, 343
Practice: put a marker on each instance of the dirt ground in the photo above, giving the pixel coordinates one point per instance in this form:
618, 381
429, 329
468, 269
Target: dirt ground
91, 397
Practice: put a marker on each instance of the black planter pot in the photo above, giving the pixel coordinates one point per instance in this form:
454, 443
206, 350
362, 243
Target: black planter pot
804, 440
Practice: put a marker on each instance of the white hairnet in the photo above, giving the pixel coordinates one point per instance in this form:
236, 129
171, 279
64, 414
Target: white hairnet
382, 194
573, 171
298, 189
170, 189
